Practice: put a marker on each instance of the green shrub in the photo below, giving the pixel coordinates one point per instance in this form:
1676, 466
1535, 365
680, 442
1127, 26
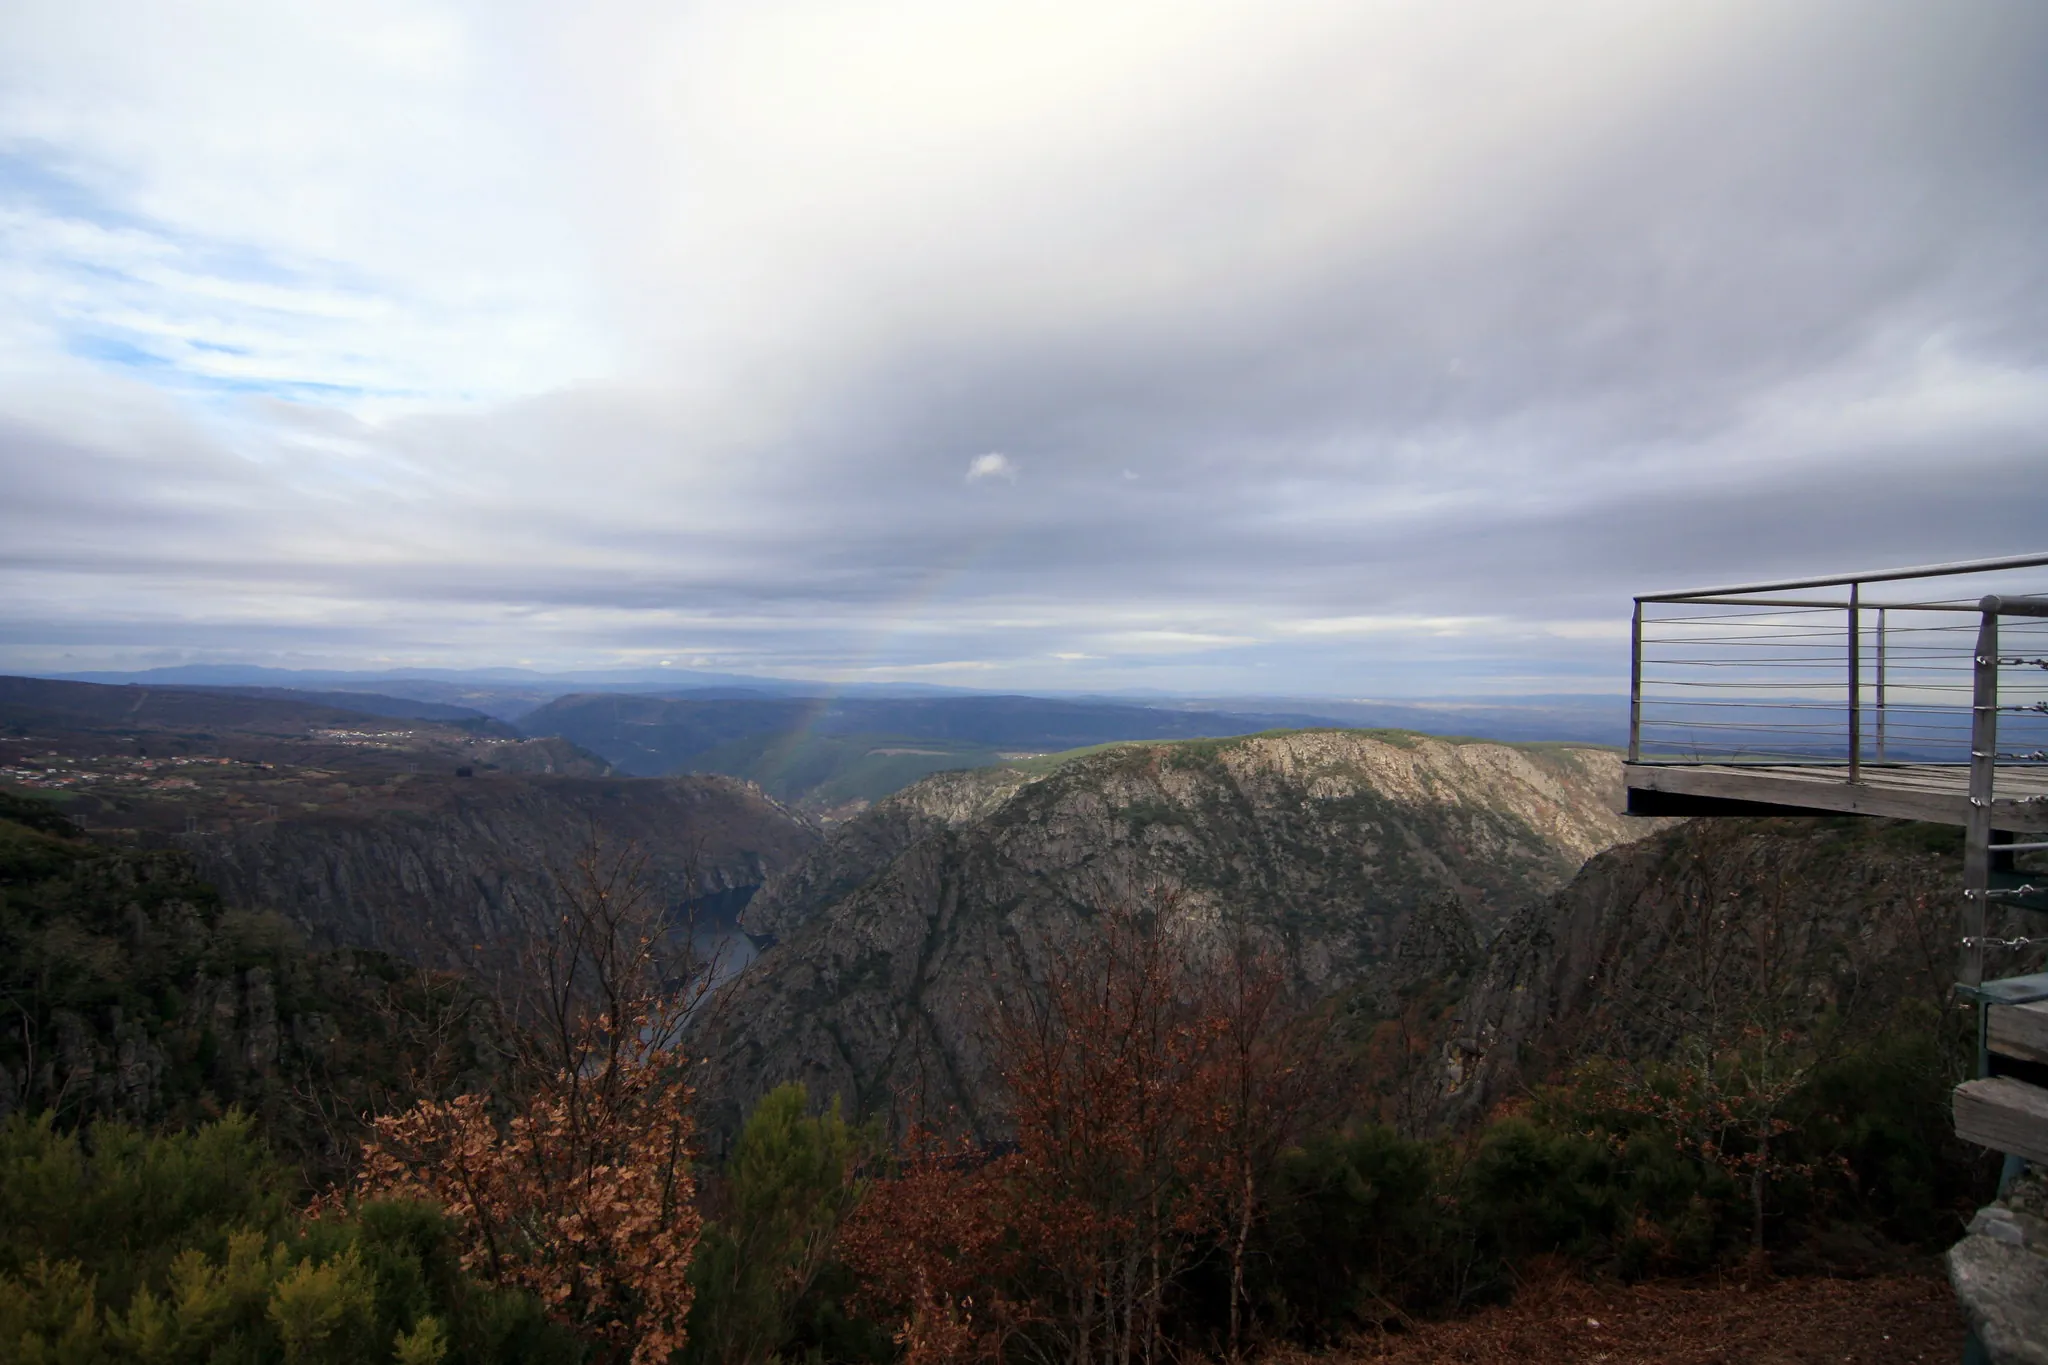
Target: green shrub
1875, 1125
120, 1246
1360, 1231
123, 1205
791, 1179
1537, 1190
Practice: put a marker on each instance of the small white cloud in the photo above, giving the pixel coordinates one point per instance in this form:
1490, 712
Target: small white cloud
1130, 476
945, 666
1587, 630
1385, 625
991, 466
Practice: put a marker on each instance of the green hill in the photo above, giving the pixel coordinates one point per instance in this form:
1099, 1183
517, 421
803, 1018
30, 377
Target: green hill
832, 770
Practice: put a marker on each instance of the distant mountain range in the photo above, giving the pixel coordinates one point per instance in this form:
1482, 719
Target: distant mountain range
654, 735
505, 693
831, 748
509, 693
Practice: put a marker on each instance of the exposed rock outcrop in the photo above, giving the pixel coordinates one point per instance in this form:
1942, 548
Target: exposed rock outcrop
441, 872
895, 931
2000, 1273
859, 849
1842, 916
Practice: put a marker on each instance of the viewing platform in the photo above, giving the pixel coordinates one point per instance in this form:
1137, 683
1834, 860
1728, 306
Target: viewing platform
1936, 792
1916, 694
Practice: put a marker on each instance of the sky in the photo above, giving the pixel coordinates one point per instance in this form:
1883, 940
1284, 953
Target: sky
1310, 349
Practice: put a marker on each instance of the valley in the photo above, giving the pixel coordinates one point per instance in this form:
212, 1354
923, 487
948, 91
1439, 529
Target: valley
1341, 849
415, 836
244, 897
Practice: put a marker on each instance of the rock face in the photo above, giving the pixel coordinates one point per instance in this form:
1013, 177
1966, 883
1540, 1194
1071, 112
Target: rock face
859, 849
1850, 917
892, 934
441, 872
2000, 1272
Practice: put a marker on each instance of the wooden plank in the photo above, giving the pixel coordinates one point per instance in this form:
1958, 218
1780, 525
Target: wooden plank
1801, 792
1918, 798
2012, 783
1937, 777
2015, 990
2020, 1031
2005, 1115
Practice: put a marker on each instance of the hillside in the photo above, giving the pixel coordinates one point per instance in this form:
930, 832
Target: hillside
381, 704
408, 835
1848, 919
839, 774
443, 866
136, 994
1329, 843
41, 720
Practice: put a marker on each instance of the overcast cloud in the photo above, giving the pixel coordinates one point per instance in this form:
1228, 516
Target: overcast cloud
1346, 348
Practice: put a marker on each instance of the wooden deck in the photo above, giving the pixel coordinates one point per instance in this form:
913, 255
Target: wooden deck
1902, 791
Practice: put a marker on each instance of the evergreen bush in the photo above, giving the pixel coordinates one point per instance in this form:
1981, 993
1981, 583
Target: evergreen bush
118, 1246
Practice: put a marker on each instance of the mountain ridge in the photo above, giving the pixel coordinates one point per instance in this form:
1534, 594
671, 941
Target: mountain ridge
888, 935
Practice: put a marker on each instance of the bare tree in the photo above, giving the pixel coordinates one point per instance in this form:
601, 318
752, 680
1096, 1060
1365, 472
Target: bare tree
577, 1185
1151, 1081
1275, 1073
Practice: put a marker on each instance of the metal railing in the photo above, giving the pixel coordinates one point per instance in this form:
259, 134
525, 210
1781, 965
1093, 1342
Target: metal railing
1989, 855
1824, 673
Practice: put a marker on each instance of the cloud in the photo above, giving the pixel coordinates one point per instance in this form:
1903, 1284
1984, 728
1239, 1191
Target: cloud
991, 466
1392, 625
1366, 347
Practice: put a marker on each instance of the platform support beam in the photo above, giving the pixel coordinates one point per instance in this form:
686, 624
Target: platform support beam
1635, 686
1983, 778
1855, 681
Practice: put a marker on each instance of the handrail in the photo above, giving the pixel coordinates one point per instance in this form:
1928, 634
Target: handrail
1755, 677
1843, 580
1899, 652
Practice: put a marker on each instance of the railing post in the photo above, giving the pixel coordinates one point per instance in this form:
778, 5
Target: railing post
1880, 684
1635, 685
1983, 779
1855, 683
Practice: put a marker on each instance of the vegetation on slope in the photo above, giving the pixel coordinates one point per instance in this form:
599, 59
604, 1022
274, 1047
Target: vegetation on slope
121, 1246
822, 737
1196, 1154
833, 771
133, 995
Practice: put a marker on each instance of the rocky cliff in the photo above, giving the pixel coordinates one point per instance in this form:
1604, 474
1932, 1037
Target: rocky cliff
410, 835
862, 847
892, 933
1847, 919
436, 868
